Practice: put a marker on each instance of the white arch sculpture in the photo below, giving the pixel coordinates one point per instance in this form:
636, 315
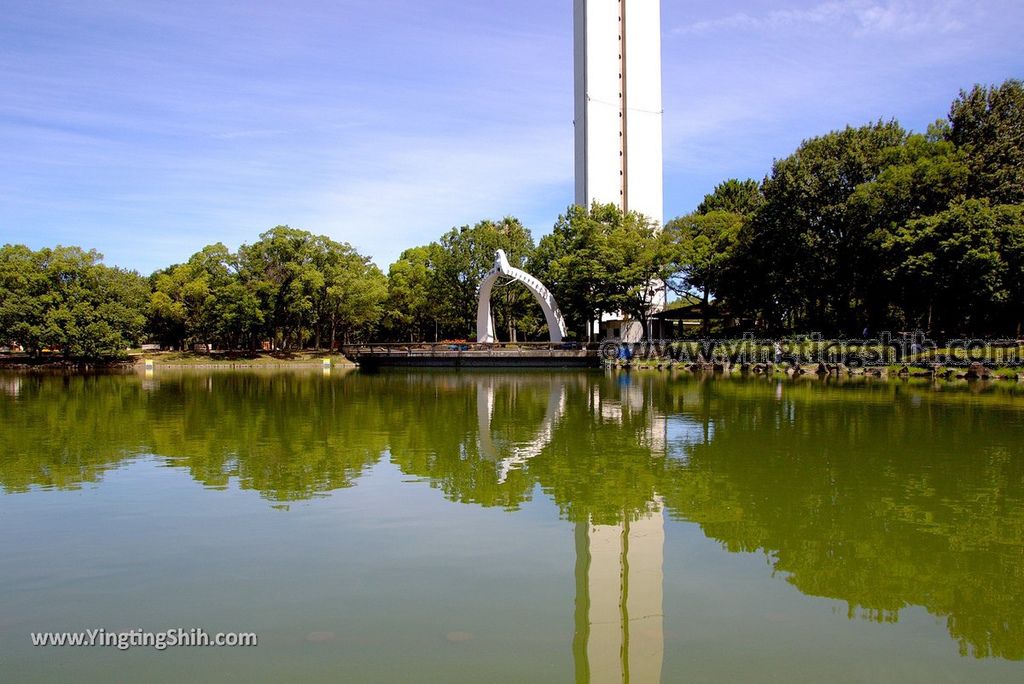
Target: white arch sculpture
484, 320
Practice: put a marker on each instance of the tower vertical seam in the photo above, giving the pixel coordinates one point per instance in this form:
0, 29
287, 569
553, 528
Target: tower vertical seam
624, 107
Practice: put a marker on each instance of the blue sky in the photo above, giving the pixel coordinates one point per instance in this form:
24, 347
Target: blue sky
149, 129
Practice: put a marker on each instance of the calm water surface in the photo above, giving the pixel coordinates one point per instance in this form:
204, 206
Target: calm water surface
513, 527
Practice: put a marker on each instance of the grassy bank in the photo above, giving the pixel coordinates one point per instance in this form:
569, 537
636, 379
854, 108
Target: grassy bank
235, 359
137, 358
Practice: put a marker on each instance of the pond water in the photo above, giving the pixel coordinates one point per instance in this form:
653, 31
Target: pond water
481, 527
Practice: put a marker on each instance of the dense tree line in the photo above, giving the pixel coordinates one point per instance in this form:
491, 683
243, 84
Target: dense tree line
595, 260
290, 288
432, 289
63, 299
869, 227
876, 227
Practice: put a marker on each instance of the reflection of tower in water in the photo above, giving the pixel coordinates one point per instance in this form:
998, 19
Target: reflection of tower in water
618, 615
618, 622
619, 635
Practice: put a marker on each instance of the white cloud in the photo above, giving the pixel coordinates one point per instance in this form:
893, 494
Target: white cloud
857, 17
423, 186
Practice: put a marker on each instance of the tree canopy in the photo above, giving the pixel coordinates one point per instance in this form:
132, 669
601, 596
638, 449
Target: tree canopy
877, 227
603, 260
64, 299
870, 226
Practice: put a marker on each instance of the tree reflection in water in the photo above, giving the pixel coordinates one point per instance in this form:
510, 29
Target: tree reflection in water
882, 495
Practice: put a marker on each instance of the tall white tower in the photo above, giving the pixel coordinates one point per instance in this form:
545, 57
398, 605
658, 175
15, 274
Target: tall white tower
618, 104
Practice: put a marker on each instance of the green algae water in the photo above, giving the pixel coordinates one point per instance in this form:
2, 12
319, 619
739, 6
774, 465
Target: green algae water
528, 527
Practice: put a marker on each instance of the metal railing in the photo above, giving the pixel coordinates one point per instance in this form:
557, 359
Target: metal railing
458, 347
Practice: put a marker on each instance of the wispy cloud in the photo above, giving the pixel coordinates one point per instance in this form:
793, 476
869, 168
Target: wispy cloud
150, 128
177, 124
421, 186
857, 17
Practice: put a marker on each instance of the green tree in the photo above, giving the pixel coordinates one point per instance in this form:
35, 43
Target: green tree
988, 124
90, 310
704, 245
238, 316
65, 299
355, 296
291, 286
604, 260
796, 255
736, 196
464, 256
204, 300
412, 305
282, 269
954, 261
182, 305
21, 309
573, 262
642, 259
1012, 246
921, 178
